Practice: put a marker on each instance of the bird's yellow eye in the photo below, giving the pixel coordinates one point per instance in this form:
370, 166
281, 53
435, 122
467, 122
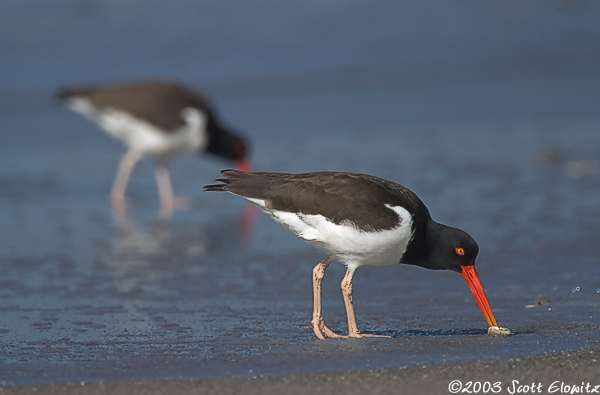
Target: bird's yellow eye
459, 251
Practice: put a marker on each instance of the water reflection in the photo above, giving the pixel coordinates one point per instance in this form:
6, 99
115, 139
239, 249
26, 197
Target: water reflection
162, 237
196, 236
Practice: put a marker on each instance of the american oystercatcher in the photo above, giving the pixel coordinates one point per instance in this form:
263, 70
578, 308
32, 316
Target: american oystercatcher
158, 119
358, 219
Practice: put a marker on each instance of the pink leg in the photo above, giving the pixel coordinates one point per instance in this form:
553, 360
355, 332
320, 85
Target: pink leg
168, 201
117, 193
347, 289
321, 331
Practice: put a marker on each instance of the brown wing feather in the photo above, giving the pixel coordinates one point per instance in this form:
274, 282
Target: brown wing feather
156, 102
355, 197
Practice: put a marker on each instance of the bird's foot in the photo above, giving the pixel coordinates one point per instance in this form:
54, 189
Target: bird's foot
118, 202
183, 203
177, 203
168, 206
322, 331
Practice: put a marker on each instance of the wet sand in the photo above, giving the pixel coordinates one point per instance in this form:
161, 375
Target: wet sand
558, 373
94, 298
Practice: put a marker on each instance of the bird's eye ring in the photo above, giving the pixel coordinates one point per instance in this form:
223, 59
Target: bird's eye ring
459, 251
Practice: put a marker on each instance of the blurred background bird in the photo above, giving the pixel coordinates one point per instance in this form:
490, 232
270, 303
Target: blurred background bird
161, 120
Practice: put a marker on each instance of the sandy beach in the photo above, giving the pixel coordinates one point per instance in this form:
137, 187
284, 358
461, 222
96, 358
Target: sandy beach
574, 372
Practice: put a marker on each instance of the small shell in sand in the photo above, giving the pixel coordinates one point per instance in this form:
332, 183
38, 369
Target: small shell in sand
499, 332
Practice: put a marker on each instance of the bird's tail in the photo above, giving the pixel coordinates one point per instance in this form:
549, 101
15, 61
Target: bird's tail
229, 176
64, 93
245, 184
70, 93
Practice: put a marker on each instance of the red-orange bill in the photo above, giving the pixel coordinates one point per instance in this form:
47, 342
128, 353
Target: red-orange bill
470, 275
243, 165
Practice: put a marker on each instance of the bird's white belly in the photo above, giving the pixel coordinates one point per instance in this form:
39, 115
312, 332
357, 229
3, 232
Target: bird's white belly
345, 242
145, 138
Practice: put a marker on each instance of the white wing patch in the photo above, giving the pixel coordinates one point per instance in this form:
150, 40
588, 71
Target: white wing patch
142, 136
346, 242
294, 222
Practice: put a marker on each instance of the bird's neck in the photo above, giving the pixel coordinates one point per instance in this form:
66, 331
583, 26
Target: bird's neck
421, 250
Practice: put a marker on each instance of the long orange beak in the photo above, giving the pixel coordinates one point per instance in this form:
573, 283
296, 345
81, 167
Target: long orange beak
470, 274
243, 165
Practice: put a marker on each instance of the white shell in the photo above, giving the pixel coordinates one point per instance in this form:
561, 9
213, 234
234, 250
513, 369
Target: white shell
499, 331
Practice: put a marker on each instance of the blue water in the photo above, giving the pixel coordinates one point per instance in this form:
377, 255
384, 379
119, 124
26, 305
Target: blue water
490, 112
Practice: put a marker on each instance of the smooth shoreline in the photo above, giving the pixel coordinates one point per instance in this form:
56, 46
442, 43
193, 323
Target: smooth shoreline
555, 373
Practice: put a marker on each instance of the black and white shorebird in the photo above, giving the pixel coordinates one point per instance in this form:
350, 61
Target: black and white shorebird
158, 119
358, 219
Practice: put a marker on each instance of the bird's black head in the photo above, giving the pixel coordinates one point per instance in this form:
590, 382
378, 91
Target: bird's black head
228, 145
449, 248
